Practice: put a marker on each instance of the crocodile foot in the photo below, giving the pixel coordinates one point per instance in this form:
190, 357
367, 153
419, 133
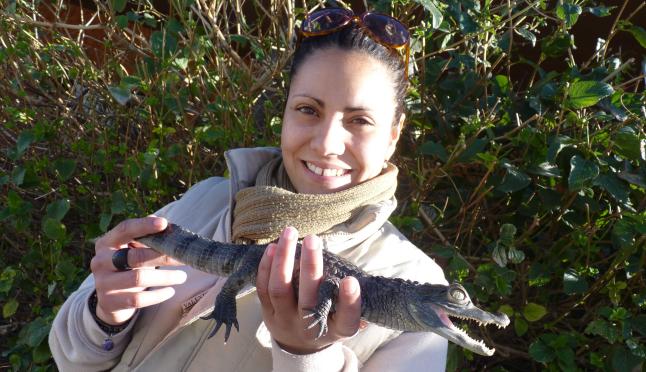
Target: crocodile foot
224, 312
327, 291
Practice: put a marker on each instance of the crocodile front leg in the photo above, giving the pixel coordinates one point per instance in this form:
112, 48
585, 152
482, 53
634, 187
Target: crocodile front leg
328, 292
225, 311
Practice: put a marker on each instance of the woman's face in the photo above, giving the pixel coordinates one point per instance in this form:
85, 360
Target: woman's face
338, 121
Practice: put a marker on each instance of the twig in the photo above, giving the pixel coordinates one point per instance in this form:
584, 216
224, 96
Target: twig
52, 24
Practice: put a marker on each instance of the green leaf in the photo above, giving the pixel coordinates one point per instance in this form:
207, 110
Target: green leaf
7, 278
615, 187
104, 222
435, 11
119, 5
54, 229
501, 85
545, 169
520, 326
65, 168
163, 44
629, 145
25, 139
573, 283
600, 11
600, 327
499, 255
514, 180
435, 149
568, 13
9, 308
624, 360
474, 148
515, 256
541, 352
534, 312
583, 94
120, 94
18, 175
582, 173
638, 33
58, 209
623, 234
507, 233
527, 35
122, 21
557, 143
118, 203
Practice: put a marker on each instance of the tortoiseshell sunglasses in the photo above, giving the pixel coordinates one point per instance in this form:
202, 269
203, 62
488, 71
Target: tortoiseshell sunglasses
384, 29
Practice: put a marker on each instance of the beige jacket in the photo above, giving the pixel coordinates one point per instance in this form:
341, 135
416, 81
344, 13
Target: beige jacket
171, 337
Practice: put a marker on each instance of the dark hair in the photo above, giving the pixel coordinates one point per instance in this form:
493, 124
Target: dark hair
357, 39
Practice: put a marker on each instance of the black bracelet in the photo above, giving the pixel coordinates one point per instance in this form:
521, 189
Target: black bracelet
111, 330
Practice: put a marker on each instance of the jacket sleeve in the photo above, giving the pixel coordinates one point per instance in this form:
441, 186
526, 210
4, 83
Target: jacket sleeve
410, 351
76, 341
336, 357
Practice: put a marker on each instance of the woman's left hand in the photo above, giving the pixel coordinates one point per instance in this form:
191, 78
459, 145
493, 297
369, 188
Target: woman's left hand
284, 314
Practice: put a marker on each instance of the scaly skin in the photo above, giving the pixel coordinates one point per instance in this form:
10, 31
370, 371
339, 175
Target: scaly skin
390, 302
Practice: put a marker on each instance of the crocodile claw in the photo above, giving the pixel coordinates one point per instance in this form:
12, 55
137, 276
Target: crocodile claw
320, 320
224, 312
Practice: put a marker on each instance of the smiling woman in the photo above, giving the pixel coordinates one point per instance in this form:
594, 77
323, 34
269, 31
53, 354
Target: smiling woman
330, 184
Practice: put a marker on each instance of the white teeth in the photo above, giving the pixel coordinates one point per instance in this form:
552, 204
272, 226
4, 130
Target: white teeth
325, 172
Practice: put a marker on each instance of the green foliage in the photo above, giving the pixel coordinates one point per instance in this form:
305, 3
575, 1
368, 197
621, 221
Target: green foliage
522, 164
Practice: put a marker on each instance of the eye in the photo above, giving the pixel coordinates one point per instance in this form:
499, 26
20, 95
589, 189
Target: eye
361, 121
307, 110
458, 294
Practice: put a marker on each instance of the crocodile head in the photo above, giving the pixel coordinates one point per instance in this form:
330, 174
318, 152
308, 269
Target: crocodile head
433, 306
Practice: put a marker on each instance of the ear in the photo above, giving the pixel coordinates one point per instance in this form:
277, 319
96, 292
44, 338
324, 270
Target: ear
395, 132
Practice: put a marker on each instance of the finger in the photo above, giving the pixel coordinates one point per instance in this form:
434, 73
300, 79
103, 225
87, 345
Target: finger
146, 257
262, 278
130, 229
311, 271
347, 317
123, 300
139, 278
280, 288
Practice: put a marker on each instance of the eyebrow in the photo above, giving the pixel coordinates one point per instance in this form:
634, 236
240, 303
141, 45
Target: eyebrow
322, 104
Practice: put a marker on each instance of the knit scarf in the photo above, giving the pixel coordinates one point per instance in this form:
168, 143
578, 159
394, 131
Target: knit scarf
264, 210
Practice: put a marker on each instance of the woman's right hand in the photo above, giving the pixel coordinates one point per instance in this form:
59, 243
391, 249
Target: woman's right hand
121, 293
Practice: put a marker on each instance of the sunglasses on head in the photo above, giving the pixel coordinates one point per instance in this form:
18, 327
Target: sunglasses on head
384, 29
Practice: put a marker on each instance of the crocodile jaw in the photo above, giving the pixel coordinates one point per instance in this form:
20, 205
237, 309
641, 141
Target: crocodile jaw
460, 337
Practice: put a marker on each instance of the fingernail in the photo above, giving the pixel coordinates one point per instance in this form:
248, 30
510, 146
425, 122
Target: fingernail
269, 251
289, 233
350, 287
158, 223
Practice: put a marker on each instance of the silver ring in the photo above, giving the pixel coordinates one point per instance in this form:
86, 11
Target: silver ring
120, 259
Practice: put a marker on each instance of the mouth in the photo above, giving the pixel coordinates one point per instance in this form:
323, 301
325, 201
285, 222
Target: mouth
460, 337
326, 172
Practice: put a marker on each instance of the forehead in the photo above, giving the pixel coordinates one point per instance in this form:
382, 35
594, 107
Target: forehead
345, 77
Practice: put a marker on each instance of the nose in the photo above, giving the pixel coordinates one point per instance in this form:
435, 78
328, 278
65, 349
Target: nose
329, 138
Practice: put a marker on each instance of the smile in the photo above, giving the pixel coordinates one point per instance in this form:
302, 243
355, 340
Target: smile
326, 172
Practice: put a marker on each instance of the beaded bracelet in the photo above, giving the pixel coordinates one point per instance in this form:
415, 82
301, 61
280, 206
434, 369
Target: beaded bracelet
111, 330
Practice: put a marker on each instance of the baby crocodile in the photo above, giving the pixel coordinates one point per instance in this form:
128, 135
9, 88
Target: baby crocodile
390, 302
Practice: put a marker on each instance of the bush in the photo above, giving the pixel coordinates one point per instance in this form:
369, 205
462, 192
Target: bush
522, 163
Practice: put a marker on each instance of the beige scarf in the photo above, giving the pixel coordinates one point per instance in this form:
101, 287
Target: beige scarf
264, 210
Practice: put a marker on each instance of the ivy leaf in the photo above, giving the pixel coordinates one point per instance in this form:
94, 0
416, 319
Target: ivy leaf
600, 11
583, 94
119, 5
65, 168
9, 308
58, 209
568, 13
514, 180
435, 11
435, 149
573, 283
629, 145
527, 35
54, 229
120, 94
520, 326
545, 169
541, 352
534, 312
619, 190
477, 146
582, 172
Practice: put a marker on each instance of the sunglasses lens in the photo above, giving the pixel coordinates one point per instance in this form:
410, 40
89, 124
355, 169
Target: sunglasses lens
388, 29
326, 20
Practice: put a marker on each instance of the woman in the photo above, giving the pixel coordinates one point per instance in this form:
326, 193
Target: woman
330, 183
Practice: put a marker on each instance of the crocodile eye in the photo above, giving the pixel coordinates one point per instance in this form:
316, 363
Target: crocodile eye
458, 295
